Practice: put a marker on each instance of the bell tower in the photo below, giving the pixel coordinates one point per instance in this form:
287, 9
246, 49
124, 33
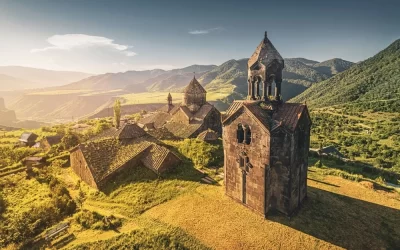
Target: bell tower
264, 68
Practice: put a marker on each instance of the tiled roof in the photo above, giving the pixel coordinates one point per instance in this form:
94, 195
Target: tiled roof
208, 135
289, 114
202, 112
167, 108
266, 53
26, 136
155, 157
182, 130
126, 131
270, 115
186, 111
53, 140
159, 119
235, 106
107, 155
194, 87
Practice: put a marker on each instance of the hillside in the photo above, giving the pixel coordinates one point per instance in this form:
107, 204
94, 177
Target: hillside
224, 83
298, 74
373, 80
333, 66
61, 105
12, 83
111, 81
32, 78
173, 79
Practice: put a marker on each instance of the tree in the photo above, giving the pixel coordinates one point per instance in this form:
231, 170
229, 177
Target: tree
70, 140
2, 204
117, 113
81, 198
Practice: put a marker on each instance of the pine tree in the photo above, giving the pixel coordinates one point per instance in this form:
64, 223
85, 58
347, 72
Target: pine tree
117, 113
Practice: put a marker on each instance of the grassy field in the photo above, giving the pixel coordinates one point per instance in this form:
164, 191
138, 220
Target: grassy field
161, 97
180, 210
369, 137
345, 208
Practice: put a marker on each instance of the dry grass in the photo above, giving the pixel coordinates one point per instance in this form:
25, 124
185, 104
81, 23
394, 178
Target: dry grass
338, 214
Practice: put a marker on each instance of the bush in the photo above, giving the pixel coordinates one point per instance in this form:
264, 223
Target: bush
96, 221
2, 204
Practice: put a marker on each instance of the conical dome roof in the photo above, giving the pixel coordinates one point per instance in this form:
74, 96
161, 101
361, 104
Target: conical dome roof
194, 87
265, 53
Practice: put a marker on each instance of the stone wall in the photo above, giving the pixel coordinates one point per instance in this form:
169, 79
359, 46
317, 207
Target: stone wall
79, 165
252, 184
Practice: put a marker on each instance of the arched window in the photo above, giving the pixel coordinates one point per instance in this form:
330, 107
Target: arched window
240, 133
248, 135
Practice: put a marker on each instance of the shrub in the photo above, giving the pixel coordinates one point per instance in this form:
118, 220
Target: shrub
2, 204
96, 221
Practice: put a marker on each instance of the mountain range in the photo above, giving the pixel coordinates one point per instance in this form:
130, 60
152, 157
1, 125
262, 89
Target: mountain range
230, 76
373, 80
225, 82
19, 78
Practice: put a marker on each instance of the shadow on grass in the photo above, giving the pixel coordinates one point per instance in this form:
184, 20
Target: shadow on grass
323, 182
346, 222
356, 167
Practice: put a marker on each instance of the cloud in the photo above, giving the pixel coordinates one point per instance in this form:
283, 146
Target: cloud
73, 41
203, 32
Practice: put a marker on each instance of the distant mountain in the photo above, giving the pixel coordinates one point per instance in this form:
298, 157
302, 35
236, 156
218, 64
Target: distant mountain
333, 66
304, 60
375, 79
111, 81
171, 80
38, 78
231, 76
140, 81
8, 83
225, 82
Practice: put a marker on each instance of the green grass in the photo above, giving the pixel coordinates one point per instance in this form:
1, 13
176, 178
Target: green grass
150, 234
161, 97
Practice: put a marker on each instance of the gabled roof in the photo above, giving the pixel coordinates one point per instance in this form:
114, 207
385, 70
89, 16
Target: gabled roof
202, 112
186, 111
265, 53
156, 156
208, 135
182, 130
158, 119
289, 114
194, 87
54, 139
126, 131
167, 108
269, 115
27, 136
107, 155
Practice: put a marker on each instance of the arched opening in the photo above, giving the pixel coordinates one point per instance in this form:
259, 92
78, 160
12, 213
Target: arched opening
240, 133
248, 135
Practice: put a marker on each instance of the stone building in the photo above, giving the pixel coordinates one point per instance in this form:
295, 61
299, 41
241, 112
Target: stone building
28, 139
100, 159
189, 118
266, 141
48, 141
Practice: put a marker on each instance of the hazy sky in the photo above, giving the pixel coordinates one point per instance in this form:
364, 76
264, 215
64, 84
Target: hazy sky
108, 36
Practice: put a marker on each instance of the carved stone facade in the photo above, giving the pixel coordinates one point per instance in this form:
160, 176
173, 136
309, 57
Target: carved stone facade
266, 141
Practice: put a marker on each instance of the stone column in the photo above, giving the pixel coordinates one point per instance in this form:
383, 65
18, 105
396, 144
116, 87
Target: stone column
249, 88
265, 94
252, 90
278, 83
257, 82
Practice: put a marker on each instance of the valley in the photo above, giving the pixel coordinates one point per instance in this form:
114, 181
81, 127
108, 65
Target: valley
224, 83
